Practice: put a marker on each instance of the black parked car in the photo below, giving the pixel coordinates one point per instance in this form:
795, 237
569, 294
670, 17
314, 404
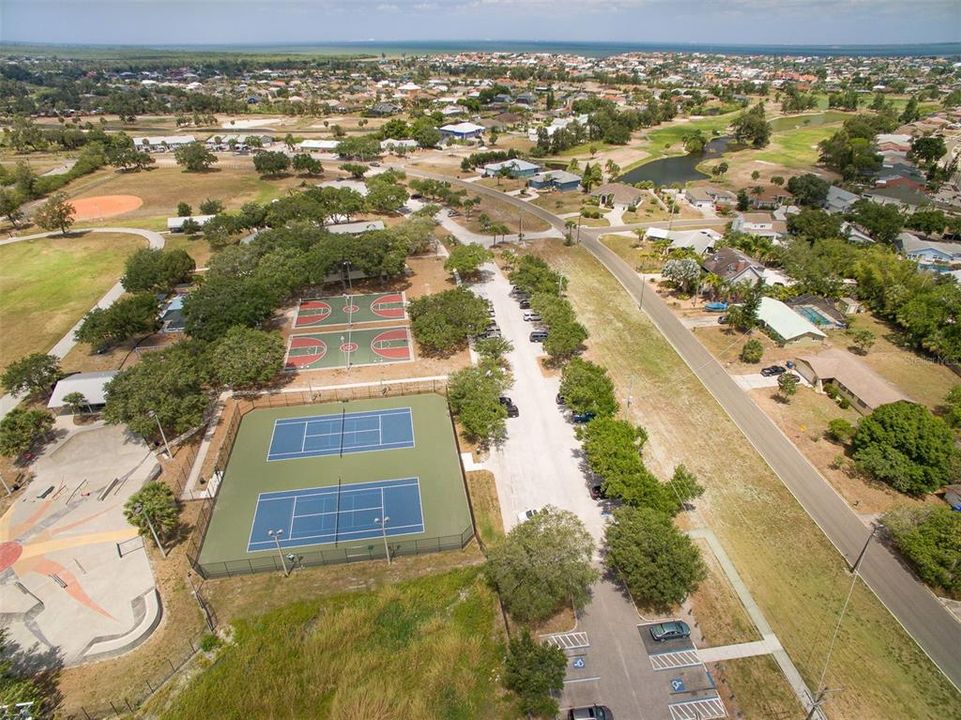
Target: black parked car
773, 370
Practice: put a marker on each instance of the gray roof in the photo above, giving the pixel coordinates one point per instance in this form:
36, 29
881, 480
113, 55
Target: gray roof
558, 176
911, 243
90, 385
858, 378
783, 321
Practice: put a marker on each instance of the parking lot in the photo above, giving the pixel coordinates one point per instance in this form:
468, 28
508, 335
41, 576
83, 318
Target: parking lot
610, 662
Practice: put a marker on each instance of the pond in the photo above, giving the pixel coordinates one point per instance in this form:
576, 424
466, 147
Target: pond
676, 170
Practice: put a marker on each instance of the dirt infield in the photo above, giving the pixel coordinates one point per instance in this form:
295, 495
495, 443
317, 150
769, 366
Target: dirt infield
104, 206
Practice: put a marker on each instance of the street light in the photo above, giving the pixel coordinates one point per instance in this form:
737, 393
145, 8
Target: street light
383, 527
153, 414
275, 534
138, 509
350, 283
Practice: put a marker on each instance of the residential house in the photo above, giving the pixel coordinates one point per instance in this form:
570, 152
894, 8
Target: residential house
699, 198
394, 144
353, 228
383, 109
734, 266
771, 197
759, 224
162, 143
559, 180
515, 167
461, 131
526, 98
820, 311
92, 385
700, 241
928, 252
615, 193
785, 325
864, 388
839, 200
172, 318
318, 145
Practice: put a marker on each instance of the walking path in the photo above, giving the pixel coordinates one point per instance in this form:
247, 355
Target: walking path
467, 236
63, 346
769, 641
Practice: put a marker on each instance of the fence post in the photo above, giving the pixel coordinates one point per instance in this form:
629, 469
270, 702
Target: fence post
85, 713
128, 704
115, 711
171, 665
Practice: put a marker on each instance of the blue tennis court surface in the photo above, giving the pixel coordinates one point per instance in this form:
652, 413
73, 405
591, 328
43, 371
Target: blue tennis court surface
355, 432
319, 516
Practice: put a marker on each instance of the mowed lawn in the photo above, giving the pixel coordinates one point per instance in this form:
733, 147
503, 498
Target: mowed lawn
796, 576
428, 648
47, 285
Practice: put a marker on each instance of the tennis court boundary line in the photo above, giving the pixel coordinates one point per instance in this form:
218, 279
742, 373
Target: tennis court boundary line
302, 454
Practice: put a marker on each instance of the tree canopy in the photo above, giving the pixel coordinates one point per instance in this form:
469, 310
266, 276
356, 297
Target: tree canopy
587, 388
542, 564
467, 259
533, 671
751, 127
474, 394
194, 157
442, 322
34, 374
157, 270
245, 358
905, 446
57, 213
22, 428
659, 564
129, 317
808, 189
930, 538
154, 502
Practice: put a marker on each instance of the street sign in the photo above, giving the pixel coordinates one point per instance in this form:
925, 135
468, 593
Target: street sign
578, 662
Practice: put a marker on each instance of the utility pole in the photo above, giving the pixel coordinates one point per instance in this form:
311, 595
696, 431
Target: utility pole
139, 509
153, 414
275, 534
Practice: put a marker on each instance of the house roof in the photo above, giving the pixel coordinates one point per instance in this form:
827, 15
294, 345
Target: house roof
784, 322
90, 385
698, 240
513, 164
355, 227
462, 128
862, 381
729, 263
623, 194
911, 243
175, 223
559, 176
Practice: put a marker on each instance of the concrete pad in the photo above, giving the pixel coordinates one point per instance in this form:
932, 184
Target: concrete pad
73, 571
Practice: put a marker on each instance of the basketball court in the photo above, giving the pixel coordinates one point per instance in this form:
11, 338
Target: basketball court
350, 309
349, 347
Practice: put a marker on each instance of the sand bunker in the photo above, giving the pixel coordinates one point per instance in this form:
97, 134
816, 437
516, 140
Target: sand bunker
104, 206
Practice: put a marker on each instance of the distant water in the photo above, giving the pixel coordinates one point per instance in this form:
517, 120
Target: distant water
589, 49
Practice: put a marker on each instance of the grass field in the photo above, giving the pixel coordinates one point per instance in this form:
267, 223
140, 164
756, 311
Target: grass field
47, 285
432, 460
501, 212
427, 648
795, 575
561, 203
163, 187
486, 506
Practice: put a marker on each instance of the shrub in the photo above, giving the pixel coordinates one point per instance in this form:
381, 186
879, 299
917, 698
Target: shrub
753, 351
840, 430
209, 642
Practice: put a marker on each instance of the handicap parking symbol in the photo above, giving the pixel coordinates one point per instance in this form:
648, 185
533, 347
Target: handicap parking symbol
578, 662
677, 684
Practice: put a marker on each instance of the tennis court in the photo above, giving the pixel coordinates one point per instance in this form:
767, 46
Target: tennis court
350, 309
348, 348
327, 503
320, 516
344, 432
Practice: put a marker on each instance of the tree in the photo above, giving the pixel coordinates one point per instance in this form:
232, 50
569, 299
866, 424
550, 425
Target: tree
814, 224
840, 430
153, 506
127, 157
157, 270
184, 210
224, 301
907, 447
474, 394
684, 485
751, 127
10, 202
809, 189
719, 169
533, 671
211, 206
20, 429
753, 351
466, 260
659, 564
755, 175
75, 402
442, 322
928, 149
17, 683
586, 388
777, 180
356, 170
127, 318
194, 157
743, 201
694, 142
543, 564
304, 163
271, 163
787, 384
882, 222
952, 407
57, 213
34, 374
386, 197
564, 339
930, 538
592, 176
246, 358
927, 220
685, 274
363, 147
911, 111
862, 338
168, 383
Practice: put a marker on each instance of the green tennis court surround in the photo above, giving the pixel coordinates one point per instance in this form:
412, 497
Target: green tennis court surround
397, 458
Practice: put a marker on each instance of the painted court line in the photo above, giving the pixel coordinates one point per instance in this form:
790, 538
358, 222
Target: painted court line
355, 440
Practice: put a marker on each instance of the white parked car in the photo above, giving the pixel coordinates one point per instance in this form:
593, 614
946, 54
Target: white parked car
525, 515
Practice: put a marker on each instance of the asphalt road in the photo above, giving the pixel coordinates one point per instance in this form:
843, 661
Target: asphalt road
932, 626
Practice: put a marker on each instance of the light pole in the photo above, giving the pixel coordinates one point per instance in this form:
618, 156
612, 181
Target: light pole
383, 527
275, 534
138, 508
837, 628
350, 283
153, 414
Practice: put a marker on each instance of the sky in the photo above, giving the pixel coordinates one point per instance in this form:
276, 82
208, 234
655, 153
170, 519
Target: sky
205, 22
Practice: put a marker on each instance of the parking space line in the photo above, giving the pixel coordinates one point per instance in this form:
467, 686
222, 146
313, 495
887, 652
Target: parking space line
579, 680
672, 660
703, 709
568, 641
